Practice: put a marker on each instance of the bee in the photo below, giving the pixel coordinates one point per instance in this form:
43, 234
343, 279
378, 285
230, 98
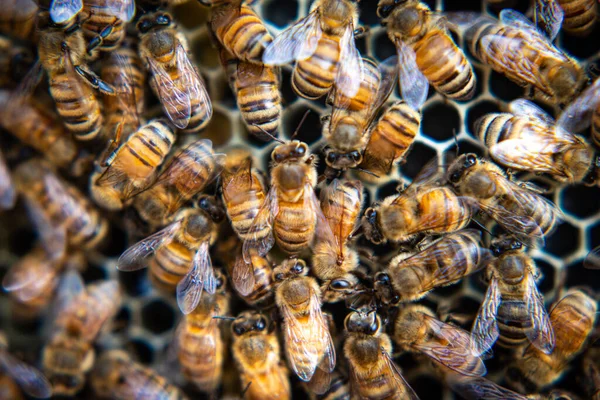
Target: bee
424, 207
188, 172
528, 139
368, 350
69, 354
591, 372
426, 52
253, 281
443, 262
308, 343
132, 166
417, 329
515, 47
117, 376
580, 16
583, 112
341, 202
8, 194
17, 18
256, 89
62, 214
104, 27
338, 389
178, 255
256, 353
573, 319
174, 79
513, 308
15, 61
518, 210
323, 45
200, 348
549, 16
238, 29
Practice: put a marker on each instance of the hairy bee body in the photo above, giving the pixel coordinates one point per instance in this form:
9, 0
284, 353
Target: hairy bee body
101, 14
338, 389
17, 18
580, 16
261, 294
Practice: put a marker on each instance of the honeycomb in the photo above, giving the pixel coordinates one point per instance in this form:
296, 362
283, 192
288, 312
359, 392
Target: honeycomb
146, 323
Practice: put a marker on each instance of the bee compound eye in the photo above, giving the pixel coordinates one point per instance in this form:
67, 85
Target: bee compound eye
470, 160
455, 177
238, 330
298, 268
279, 276
339, 284
332, 157
261, 324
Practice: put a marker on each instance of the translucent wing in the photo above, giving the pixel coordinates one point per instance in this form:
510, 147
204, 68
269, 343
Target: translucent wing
63, 10
70, 288
28, 378
479, 388
123, 9
578, 114
29, 276
485, 328
528, 109
200, 277
126, 86
261, 230
242, 276
552, 14
516, 223
298, 42
350, 66
592, 260
388, 70
413, 83
8, 195
138, 255
175, 101
515, 18
323, 229
541, 333
192, 83
53, 239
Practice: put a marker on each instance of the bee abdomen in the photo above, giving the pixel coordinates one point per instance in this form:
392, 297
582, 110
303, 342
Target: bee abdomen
261, 106
580, 16
399, 125
313, 77
199, 118
493, 128
247, 36
99, 20
201, 359
169, 266
294, 228
513, 321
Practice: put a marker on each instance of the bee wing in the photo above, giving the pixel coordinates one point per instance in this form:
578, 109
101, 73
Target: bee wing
260, 241
175, 101
515, 18
485, 328
137, 256
63, 10
592, 260
528, 109
122, 9
413, 84
388, 71
32, 381
398, 382
330, 234
350, 66
453, 348
70, 287
96, 317
298, 42
578, 114
552, 14
125, 83
28, 278
541, 333
242, 276
8, 195
192, 82
53, 239
479, 388
200, 277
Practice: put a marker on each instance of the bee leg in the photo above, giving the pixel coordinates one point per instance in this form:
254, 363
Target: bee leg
99, 38
361, 31
94, 81
529, 92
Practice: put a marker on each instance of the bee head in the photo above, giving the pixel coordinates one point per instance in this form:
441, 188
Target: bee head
289, 268
459, 166
363, 321
370, 225
293, 151
505, 244
148, 22
385, 7
212, 206
342, 161
249, 321
384, 289
220, 280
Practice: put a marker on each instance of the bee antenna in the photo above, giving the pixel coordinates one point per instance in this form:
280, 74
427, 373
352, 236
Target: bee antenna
268, 134
367, 172
245, 390
224, 317
484, 228
356, 232
456, 146
301, 123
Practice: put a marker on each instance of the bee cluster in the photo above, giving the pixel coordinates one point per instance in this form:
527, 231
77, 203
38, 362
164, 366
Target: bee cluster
290, 199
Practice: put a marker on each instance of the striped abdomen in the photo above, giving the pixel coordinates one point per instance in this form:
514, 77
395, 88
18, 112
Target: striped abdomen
100, 18
596, 126
580, 16
262, 292
294, 226
313, 78
201, 354
442, 210
341, 208
513, 319
169, 265
445, 65
243, 196
77, 105
534, 206
338, 389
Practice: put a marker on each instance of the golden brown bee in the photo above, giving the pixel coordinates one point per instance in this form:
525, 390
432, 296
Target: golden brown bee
62, 214
256, 353
580, 16
133, 166
341, 202
528, 139
188, 172
178, 255
417, 329
323, 45
426, 52
515, 47
368, 349
256, 89
104, 25
308, 343
253, 281
8, 194
518, 210
200, 347
69, 354
116, 376
15, 61
425, 207
338, 389
174, 79
238, 29
443, 262
573, 319
513, 309
583, 112
17, 18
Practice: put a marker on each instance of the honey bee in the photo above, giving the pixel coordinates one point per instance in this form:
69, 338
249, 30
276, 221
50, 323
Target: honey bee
580, 16
174, 79
417, 329
17, 18
117, 376
133, 166
583, 112
238, 29
308, 343
69, 354
513, 308
188, 172
15, 61
178, 255
8, 195
516, 48
422, 208
368, 350
256, 352
341, 202
426, 52
256, 89
62, 214
253, 281
104, 27
338, 389
520, 211
573, 319
200, 347
528, 139
443, 262
323, 45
